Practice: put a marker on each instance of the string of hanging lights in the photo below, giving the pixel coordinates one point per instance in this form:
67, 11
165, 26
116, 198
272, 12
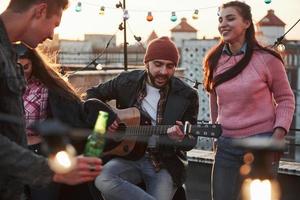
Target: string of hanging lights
268, 1
150, 13
149, 16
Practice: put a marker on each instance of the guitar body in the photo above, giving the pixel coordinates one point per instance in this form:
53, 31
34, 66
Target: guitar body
130, 147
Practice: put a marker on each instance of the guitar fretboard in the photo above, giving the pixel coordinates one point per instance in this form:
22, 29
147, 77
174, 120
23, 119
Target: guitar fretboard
205, 130
146, 130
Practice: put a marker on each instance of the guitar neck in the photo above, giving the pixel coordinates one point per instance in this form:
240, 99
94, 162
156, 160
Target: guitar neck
131, 118
203, 130
144, 130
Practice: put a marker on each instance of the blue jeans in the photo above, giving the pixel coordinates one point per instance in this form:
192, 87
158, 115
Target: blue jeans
119, 177
226, 178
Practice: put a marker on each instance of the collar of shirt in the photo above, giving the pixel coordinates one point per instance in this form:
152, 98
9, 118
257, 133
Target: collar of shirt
242, 50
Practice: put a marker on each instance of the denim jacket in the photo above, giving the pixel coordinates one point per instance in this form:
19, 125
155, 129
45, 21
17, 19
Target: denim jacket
18, 166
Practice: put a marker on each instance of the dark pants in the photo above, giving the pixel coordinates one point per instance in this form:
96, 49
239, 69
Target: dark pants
50, 192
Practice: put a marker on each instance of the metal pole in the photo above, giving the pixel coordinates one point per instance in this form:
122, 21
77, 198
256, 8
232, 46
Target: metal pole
125, 39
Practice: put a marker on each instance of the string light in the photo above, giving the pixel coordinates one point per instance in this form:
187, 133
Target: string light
137, 38
173, 17
102, 10
280, 47
119, 5
268, 1
63, 161
78, 7
125, 15
196, 14
121, 27
149, 17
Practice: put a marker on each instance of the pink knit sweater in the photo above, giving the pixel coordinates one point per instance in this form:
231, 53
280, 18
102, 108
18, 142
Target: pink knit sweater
258, 100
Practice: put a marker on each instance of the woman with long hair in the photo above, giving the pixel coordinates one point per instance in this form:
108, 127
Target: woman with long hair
49, 96
250, 95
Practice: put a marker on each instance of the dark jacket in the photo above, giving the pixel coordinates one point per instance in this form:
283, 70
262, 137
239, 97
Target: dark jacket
18, 166
182, 105
71, 112
76, 114
67, 110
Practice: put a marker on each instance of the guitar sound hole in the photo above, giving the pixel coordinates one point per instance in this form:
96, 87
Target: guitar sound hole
125, 148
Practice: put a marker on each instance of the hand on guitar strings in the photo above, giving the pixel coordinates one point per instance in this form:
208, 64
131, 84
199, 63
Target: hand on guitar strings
175, 132
114, 132
114, 126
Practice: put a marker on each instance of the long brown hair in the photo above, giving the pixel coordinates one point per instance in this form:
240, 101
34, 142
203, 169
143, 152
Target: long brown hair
213, 56
49, 76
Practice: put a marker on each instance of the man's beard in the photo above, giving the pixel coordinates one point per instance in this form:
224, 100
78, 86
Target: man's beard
151, 78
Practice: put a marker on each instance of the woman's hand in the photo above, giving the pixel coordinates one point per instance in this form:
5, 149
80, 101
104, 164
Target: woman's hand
279, 133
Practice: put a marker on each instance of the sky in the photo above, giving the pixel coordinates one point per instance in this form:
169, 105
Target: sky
75, 24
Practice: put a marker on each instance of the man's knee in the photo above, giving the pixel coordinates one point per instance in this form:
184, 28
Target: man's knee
105, 182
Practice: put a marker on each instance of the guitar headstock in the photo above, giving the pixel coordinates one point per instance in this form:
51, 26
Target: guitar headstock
203, 129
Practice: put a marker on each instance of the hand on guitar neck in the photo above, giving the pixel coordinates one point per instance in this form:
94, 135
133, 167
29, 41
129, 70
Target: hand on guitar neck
176, 132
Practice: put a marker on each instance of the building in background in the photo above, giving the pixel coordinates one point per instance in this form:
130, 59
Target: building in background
183, 31
99, 41
269, 28
151, 37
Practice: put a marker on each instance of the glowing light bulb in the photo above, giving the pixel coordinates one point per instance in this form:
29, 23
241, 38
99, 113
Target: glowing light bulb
173, 17
260, 190
63, 161
78, 7
281, 47
149, 17
125, 15
196, 14
268, 1
99, 67
102, 10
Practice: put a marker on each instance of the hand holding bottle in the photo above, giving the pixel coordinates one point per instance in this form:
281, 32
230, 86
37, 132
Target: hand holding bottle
86, 169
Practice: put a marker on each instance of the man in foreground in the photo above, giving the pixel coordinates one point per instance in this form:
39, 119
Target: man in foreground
32, 22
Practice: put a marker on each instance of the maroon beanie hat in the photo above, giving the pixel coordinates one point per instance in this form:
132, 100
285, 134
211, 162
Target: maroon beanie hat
162, 48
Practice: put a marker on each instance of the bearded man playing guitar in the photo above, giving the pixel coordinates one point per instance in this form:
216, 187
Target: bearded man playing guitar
164, 100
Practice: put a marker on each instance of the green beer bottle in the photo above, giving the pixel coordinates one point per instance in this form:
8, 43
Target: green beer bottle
96, 141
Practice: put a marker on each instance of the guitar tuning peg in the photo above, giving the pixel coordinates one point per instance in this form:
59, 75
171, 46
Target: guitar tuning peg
187, 127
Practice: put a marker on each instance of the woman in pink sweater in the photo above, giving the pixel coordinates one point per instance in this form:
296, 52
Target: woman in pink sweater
250, 95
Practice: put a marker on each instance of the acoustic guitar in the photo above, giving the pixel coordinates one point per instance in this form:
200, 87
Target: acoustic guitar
130, 141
